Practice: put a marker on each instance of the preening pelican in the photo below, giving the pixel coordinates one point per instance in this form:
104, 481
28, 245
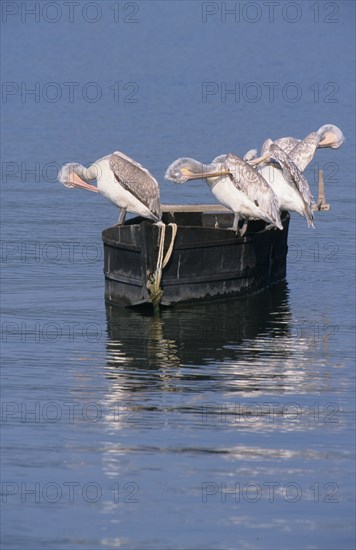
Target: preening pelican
293, 156
302, 151
120, 179
235, 184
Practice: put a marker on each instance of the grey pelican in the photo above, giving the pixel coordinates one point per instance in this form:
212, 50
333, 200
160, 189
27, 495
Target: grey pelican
120, 179
292, 157
235, 184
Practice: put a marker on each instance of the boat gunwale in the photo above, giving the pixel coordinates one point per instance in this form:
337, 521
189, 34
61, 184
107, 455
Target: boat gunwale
230, 238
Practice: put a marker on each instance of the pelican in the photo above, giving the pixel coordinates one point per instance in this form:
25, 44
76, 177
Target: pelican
302, 151
292, 157
235, 184
120, 179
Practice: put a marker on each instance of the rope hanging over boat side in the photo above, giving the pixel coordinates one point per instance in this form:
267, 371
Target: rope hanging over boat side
154, 281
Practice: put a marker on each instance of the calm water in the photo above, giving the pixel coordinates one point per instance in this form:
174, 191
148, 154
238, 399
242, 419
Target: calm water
226, 425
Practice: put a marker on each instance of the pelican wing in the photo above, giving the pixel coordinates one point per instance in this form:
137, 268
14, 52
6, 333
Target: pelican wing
220, 159
286, 143
294, 177
133, 177
303, 153
253, 185
292, 173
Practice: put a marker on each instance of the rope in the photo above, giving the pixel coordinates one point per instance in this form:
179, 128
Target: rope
154, 280
171, 245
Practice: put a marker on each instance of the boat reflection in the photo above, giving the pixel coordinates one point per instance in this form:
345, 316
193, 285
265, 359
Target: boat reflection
237, 366
186, 341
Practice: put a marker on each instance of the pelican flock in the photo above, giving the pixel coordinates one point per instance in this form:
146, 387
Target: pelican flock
281, 184
251, 187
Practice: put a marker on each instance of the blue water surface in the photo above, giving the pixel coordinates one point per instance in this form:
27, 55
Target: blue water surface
225, 425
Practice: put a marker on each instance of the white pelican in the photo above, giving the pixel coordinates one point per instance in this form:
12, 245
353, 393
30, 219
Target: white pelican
293, 156
120, 179
235, 184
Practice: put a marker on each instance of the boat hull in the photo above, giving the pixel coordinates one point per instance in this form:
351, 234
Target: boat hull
208, 260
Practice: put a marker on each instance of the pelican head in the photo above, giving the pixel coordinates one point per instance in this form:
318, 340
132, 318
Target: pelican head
184, 169
250, 155
69, 177
330, 136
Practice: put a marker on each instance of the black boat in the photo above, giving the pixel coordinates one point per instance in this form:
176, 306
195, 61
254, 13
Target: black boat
206, 259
